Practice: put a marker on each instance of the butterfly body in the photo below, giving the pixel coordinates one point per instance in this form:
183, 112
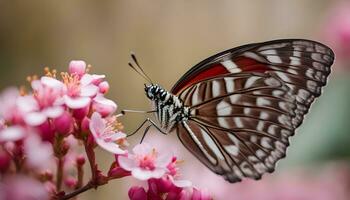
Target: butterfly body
236, 110
169, 108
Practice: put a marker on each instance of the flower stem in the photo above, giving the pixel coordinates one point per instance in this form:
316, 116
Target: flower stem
78, 191
80, 176
59, 175
91, 157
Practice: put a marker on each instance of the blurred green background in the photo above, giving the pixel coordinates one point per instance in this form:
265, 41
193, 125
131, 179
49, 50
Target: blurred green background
169, 37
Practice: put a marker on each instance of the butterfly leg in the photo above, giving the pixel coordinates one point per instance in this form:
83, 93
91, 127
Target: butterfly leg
149, 126
123, 112
152, 124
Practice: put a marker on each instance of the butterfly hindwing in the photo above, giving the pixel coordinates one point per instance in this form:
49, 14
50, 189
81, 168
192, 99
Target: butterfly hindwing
242, 132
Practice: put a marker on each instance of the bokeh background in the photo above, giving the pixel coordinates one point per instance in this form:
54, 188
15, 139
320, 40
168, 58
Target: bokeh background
171, 36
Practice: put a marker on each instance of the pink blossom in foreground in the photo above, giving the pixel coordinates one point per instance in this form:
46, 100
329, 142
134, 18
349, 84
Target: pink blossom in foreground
164, 189
12, 134
22, 188
39, 154
105, 134
8, 108
145, 162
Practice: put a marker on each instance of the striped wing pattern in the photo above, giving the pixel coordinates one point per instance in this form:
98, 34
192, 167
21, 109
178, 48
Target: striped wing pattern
303, 65
248, 104
242, 131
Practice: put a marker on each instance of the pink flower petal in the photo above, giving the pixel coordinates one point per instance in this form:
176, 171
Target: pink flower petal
127, 163
52, 82
182, 183
142, 174
20, 187
39, 154
27, 104
142, 149
76, 103
86, 79
117, 136
53, 112
110, 146
97, 79
35, 118
164, 159
36, 85
89, 91
96, 125
12, 134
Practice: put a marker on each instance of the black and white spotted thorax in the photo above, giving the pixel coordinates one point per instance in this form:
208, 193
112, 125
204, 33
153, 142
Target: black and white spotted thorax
170, 110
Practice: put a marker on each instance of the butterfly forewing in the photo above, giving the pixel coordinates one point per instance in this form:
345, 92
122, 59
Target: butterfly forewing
246, 102
302, 64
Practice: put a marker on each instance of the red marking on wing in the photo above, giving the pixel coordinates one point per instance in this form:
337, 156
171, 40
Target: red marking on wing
250, 65
201, 75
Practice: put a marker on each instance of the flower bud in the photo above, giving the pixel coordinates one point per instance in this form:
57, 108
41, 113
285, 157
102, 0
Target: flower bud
47, 134
85, 124
81, 113
80, 160
104, 106
77, 67
64, 124
137, 193
70, 182
104, 87
5, 161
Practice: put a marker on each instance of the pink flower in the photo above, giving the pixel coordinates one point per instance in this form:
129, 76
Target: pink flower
39, 154
79, 91
47, 93
77, 67
105, 134
145, 163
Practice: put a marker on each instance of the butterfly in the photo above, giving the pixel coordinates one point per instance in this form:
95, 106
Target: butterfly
236, 110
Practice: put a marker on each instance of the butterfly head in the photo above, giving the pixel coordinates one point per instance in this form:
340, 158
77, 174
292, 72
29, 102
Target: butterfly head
152, 91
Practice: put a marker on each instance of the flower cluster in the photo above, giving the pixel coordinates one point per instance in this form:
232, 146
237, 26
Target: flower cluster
41, 129
48, 134
161, 173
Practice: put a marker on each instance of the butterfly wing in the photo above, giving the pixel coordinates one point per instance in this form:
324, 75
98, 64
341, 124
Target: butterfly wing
242, 132
303, 65
246, 102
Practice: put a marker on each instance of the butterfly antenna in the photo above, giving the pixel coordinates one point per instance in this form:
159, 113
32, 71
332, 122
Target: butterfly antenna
133, 56
143, 76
